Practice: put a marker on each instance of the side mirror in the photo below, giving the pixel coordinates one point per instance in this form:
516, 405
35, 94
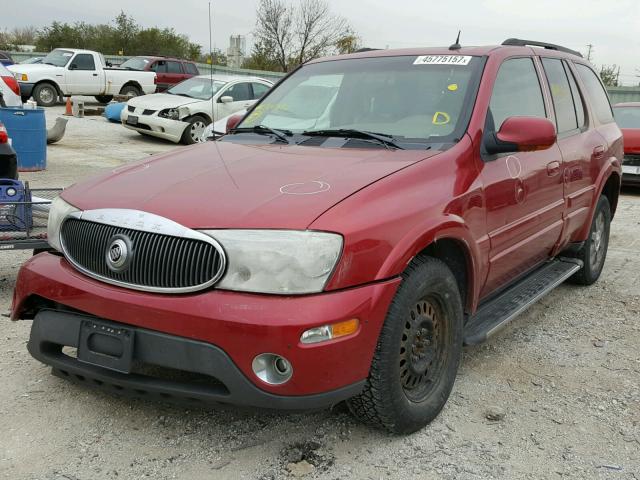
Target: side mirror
109, 64
234, 120
226, 99
73, 66
521, 134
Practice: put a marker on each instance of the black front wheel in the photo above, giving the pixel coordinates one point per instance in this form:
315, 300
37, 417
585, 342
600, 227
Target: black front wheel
194, 131
46, 95
104, 98
416, 360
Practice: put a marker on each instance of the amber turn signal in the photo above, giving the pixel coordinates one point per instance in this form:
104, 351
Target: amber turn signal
329, 332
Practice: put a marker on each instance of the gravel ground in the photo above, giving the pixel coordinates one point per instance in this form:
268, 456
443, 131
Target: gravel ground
555, 395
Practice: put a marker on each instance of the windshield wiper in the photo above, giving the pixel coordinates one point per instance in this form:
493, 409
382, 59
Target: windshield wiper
263, 129
386, 140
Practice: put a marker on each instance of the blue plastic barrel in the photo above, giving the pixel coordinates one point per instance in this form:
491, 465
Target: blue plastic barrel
113, 111
27, 129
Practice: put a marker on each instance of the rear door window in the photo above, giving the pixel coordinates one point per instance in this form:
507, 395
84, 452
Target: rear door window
259, 89
578, 101
174, 67
566, 118
516, 92
596, 93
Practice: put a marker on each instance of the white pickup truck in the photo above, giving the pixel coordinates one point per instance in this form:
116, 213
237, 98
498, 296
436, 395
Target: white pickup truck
69, 71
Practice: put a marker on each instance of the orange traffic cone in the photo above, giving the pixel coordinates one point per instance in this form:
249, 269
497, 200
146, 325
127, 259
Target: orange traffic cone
68, 109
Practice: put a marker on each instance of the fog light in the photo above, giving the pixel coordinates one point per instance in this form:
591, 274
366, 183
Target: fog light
329, 332
272, 369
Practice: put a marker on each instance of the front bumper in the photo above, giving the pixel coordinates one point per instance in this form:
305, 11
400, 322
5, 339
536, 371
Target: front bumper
26, 89
156, 126
240, 326
631, 170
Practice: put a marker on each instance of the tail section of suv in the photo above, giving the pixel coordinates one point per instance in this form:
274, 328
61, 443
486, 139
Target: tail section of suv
169, 71
343, 245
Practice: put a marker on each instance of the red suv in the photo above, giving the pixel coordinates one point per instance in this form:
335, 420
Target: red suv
338, 246
169, 71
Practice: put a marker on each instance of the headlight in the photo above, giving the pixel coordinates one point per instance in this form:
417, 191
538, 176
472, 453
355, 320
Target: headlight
171, 113
277, 261
58, 210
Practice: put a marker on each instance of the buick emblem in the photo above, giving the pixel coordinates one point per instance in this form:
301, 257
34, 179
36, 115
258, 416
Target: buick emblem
119, 253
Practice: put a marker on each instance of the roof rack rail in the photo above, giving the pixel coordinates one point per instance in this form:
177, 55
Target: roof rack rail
516, 42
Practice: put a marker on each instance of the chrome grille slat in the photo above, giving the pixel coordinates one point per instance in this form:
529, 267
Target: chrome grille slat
160, 262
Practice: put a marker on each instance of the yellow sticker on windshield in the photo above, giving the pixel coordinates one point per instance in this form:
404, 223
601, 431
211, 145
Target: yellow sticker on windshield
441, 118
453, 87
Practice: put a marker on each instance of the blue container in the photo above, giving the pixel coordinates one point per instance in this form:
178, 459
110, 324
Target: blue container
113, 111
27, 129
15, 206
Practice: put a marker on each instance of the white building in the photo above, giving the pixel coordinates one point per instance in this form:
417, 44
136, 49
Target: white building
236, 51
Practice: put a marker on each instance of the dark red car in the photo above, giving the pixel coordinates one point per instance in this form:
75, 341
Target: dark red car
342, 246
169, 71
628, 118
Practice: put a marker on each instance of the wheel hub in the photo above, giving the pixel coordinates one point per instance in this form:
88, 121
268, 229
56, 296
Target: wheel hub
420, 347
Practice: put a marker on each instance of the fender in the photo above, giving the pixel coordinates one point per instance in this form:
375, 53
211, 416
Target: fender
50, 81
612, 167
415, 241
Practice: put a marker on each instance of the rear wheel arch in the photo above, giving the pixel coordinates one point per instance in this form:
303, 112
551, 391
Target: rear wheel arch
611, 190
133, 84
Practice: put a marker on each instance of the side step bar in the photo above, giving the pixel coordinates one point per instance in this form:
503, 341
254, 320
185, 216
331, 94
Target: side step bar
497, 313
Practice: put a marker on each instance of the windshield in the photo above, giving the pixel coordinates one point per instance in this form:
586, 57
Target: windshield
135, 63
627, 117
197, 87
427, 98
59, 58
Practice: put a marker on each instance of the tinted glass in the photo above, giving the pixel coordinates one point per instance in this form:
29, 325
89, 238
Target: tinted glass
408, 97
174, 67
597, 95
578, 101
197, 87
627, 117
259, 90
516, 92
159, 67
191, 69
135, 63
239, 92
566, 119
84, 61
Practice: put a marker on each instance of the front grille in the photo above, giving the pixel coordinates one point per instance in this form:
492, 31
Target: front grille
148, 112
131, 109
159, 262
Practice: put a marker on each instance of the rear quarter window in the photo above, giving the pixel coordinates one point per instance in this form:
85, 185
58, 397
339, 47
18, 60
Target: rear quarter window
191, 69
596, 93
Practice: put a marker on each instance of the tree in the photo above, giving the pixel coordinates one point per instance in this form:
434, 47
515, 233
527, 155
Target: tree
610, 75
348, 43
262, 57
24, 35
125, 32
290, 35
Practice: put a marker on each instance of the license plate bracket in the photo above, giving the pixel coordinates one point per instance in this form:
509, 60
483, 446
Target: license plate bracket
132, 120
105, 345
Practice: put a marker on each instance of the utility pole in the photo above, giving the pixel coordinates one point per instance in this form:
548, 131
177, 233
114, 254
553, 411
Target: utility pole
590, 46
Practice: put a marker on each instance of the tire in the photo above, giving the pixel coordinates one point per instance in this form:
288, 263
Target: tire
46, 94
594, 251
194, 131
130, 91
104, 98
418, 353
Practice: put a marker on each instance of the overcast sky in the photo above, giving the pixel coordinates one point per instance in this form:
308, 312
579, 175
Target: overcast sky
610, 25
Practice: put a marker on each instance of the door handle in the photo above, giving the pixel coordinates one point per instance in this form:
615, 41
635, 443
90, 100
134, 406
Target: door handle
598, 152
553, 168
95, 74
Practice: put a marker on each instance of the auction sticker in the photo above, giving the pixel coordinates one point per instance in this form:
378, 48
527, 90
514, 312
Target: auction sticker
443, 60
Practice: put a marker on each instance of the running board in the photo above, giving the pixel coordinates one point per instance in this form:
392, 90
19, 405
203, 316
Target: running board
497, 313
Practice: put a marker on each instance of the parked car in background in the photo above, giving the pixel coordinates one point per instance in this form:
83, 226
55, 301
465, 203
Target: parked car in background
219, 128
345, 251
169, 71
182, 113
628, 118
5, 58
31, 60
8, 158
9, 89
69, 71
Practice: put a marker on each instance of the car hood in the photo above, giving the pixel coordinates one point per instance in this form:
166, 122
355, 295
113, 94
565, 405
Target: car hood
227, 185
31, 68
159, 101
631, 138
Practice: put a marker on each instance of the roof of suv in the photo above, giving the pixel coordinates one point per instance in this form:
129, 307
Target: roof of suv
523, 46
160, 57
